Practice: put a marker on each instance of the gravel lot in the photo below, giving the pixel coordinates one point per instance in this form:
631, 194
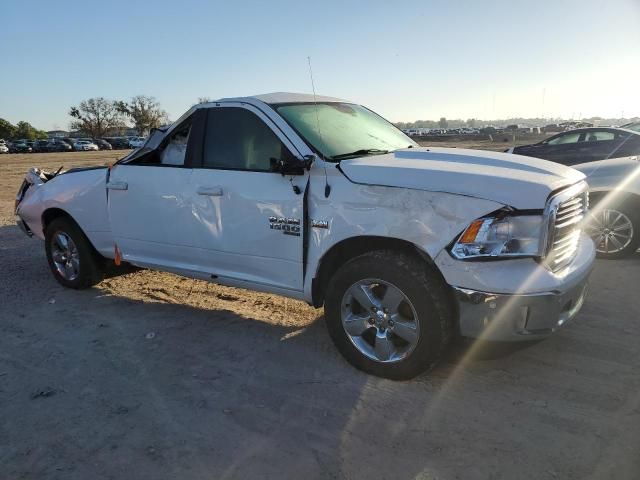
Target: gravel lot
150, 375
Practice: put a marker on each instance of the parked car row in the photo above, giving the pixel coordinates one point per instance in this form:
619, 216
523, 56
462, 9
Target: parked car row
427, 132
68, 144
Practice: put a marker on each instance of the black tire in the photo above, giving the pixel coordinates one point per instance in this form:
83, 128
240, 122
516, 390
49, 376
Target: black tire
632, 215
89, 271
421, 285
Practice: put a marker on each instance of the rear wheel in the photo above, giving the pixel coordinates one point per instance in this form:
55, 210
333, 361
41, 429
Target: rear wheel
389, 314
615, 231
72, 259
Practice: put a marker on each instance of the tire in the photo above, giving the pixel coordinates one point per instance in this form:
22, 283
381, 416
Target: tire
424, 319
615, 230
78, 266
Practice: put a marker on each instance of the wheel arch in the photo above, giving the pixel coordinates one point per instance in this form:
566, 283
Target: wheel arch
52, 213
351, 247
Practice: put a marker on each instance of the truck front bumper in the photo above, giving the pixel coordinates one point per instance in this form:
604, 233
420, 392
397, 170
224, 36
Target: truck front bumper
533, 306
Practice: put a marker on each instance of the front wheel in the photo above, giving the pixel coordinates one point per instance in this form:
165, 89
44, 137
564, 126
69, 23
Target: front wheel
389, 314
615, 231
72, 259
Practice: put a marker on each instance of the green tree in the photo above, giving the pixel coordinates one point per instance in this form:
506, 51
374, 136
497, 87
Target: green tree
96, 117
26, 130
145, 112
442, 123
7, 129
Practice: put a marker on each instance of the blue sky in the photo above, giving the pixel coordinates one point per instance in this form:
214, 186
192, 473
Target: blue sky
406, 60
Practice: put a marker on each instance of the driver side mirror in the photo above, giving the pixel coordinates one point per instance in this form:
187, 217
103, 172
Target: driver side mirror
291, 165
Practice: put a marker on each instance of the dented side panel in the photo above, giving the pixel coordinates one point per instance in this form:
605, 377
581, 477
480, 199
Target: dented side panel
430, 220
82, 195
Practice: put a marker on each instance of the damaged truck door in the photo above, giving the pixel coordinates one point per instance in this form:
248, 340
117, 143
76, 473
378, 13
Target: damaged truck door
248, 216
149, 204
211, 199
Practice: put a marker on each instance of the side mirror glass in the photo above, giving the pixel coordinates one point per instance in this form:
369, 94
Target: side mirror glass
289, 165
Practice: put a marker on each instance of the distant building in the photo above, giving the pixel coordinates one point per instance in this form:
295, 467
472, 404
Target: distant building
57, 134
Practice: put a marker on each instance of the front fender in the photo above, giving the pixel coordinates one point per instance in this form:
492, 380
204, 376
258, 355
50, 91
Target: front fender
428, 220
82, 195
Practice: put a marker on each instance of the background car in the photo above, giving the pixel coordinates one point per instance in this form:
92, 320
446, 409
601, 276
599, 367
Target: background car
102, 144
584, 145
85, 145
69, 141
20, 146
119, 143
136, 142
613, 220
4, 148
58, 146
41, 146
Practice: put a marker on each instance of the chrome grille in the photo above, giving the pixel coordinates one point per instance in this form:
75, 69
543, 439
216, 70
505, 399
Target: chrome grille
565, 212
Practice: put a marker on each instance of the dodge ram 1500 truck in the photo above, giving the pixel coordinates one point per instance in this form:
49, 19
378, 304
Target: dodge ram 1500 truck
323, 200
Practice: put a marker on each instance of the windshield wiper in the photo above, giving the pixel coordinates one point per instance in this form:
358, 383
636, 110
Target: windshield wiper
359, 153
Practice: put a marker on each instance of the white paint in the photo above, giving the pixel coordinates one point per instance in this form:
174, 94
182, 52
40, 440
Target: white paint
205, 222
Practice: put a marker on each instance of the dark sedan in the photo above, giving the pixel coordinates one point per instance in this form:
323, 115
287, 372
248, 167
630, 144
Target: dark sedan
584, 145
20, 147
58, 146
102, 144
41, 146
119, 143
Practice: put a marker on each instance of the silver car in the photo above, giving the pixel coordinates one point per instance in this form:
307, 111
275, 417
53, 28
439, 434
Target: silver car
614, 218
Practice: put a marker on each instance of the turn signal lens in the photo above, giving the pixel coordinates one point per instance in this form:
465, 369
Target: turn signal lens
471, 232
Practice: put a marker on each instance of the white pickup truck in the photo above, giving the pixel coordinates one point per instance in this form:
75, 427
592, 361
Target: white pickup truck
322, 200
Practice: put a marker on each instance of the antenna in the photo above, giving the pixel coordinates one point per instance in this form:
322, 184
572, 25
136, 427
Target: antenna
327, 187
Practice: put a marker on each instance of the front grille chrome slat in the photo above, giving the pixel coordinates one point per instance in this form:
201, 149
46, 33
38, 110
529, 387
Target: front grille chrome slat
569, 212
566, 211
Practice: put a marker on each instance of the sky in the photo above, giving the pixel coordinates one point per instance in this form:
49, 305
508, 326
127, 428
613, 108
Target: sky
405, 60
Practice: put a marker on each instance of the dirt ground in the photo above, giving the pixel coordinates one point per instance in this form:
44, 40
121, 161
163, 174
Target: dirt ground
153, 376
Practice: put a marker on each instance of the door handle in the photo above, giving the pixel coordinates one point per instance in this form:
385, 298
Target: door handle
210, 191
117, 185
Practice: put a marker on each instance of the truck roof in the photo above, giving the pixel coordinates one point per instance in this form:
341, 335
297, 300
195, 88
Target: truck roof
288, 97
268, 98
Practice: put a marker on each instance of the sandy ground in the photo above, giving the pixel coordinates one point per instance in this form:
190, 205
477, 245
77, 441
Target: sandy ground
153, 376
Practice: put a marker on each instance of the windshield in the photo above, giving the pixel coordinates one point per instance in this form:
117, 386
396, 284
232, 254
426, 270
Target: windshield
342, 130
632, 126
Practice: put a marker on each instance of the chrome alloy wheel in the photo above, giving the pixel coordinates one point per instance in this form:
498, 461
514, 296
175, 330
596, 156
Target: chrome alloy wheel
611, 230
65, 256
380, 320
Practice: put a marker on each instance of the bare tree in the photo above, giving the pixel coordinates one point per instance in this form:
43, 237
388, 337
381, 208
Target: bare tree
203, 100
145, 112
96, 116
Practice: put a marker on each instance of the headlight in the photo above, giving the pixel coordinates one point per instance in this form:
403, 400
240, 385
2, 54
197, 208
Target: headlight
501, 236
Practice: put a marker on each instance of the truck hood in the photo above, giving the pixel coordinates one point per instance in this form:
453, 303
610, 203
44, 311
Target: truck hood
514, 180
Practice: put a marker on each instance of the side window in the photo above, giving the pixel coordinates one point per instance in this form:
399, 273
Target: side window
600, 136
237, 139
175, 151
564, 139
